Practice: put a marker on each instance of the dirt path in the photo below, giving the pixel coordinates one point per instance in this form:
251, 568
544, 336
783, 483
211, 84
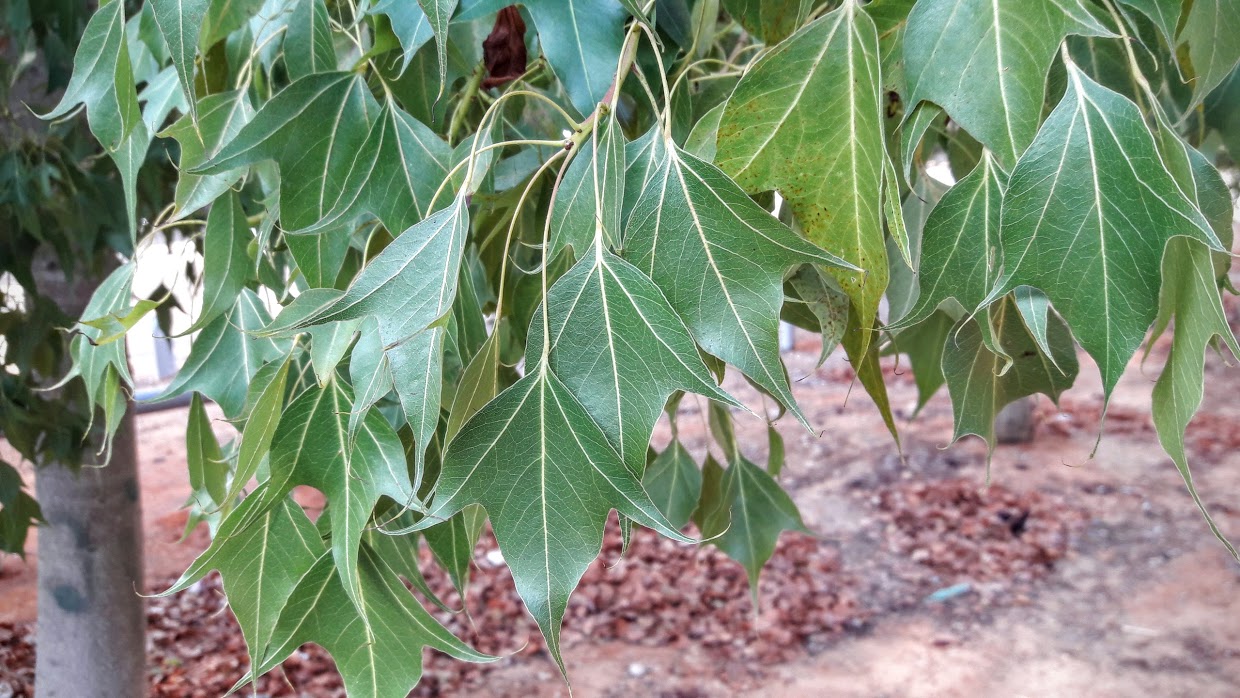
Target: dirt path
1139, 600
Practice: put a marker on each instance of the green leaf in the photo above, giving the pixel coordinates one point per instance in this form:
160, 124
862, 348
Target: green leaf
759, 510
103, 79
620, 349
701, 140
438, 12
377, 648
924, 344
985, 62
411, 26
369, 373
1086, 217
395, 174
220, 117
674, 483
103, 367
977, 389
224, 357
308, 44
826, 301
226, 264
1211, 38
411, 283
862, 353
1191, 294
328, 345
261, 560
725, 247
769, 20
417, 375
312, 447
453, 543
891, 20
313, 171
180, 23
833, 180
320, 257
479, 385
957, 243
547, 476
260, 428
208, 472
581, 39
1165, 14
587, 202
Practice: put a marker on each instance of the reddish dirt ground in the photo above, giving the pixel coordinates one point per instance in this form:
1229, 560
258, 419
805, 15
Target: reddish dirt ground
1113, 585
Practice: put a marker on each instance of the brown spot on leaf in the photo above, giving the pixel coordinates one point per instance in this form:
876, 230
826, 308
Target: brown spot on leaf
503, 51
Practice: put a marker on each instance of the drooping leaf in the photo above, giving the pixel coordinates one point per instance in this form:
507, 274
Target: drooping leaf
832, 178
985, 63
103, 79
180, 22
387, 632
758, 510
589, 197
1086, 217
453, 543
219, 118
547, 477
480, 383
438, 12
674, 483
1165, 14
225, 357
697, 235
338, 109
260, 427
225, 260
103, 367
826, 301
972, 371
619, 348
410, 24
1211, 39
370, 374
208, 473
312, 447
861, 345
1190, 293
960, 234
416, 364
261, 560
924, 345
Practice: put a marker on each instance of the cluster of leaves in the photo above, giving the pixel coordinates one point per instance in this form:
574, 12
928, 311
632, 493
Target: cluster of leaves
445, 282
62, 223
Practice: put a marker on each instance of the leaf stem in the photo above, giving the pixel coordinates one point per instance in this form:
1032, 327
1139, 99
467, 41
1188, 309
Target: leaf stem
467, 100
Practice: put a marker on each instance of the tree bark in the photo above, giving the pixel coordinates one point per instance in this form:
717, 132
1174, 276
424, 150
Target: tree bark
1014, 423
91, 623
91, 620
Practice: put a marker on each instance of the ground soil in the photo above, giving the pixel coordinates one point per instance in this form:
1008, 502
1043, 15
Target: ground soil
1067, 576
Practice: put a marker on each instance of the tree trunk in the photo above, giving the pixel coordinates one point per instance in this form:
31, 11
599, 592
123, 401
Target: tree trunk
91, 624
1014, 423
91, 620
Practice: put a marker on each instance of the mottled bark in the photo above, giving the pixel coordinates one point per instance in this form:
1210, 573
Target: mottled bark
91, 621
